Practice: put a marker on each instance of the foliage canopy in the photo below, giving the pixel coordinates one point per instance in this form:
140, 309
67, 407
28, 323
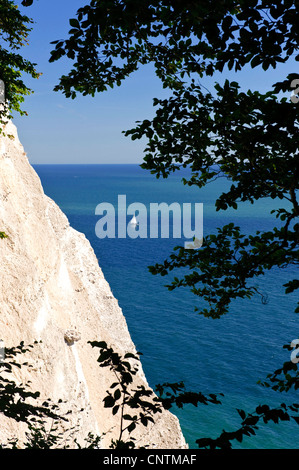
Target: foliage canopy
249, 138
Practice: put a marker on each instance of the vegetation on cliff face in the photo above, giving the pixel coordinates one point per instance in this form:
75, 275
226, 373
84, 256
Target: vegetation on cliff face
250, 138
19, 402
134, 406
14, 30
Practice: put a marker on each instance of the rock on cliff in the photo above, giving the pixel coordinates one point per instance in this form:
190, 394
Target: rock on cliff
50, 283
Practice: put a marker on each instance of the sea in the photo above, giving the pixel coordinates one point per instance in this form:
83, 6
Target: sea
229, 355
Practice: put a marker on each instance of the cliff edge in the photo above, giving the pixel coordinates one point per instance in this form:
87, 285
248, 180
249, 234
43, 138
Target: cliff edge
50, 283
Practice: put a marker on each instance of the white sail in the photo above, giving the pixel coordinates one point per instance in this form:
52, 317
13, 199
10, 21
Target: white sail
133, 221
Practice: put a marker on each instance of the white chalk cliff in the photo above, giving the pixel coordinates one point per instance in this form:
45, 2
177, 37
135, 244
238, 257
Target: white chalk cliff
51, 282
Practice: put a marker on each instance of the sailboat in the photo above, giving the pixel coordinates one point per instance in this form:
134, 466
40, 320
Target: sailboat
133, 221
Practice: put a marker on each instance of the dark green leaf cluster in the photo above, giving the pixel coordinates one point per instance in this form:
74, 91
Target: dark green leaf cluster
27, 3
14, 31
16, 399
135, 405
249, 138
109, 40
249, 425
285, 378
39, 437
175, 394
228, 260
43, 419
252, 141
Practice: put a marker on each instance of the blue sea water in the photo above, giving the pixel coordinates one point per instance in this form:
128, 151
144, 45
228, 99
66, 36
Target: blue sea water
228, 355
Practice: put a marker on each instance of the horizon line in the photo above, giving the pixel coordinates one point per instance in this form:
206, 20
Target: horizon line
31, 163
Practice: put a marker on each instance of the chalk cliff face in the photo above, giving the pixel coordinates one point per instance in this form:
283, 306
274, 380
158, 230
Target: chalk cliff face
51, 282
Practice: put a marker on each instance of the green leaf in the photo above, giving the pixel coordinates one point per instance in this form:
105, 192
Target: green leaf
74, 22
27, 3
109, 401
131, 427
242, 414
127, 417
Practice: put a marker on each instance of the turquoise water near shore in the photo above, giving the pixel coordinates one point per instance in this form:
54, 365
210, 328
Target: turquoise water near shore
228, 355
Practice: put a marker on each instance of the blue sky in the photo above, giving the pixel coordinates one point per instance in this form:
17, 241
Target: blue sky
89, 130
